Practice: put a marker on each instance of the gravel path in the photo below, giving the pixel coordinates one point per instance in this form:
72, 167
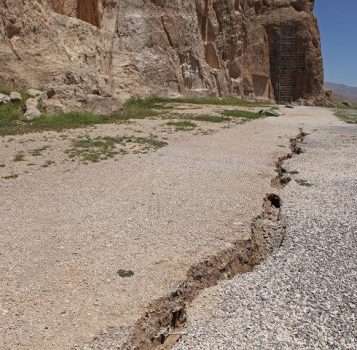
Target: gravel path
84, 249
305, 295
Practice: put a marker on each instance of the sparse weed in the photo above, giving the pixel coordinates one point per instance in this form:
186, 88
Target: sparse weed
88, 149
213, 100
211, 118
184, 125
11, 114
348, 115
246, 115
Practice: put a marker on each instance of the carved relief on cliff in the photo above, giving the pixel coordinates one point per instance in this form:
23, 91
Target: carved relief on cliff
161, 47
87, 10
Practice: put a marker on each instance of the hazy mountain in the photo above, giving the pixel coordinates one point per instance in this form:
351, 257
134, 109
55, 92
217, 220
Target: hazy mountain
343, 92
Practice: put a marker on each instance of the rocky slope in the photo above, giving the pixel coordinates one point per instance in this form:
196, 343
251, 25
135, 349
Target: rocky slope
342, 92
94, 53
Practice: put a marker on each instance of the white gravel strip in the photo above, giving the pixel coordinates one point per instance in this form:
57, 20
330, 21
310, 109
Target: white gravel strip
305, 295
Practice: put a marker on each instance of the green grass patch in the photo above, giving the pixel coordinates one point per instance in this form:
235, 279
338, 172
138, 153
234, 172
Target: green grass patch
211, 118
140, 108
66, 121
189, 117
88, 149
246, 115
212, 100
149, 143
11, 116
184, 125
11, 113
348, 115
346, 105
11, 124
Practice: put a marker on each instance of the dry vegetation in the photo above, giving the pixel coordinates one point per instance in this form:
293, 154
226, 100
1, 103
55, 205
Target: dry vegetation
11, 114
142, 125
347, 114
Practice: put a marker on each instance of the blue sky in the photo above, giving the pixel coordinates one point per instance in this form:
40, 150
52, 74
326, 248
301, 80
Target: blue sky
338, 26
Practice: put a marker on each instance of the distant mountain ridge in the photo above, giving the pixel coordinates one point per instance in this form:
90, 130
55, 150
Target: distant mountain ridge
343, 92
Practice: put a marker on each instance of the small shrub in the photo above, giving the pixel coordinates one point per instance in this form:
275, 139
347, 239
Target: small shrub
135, 108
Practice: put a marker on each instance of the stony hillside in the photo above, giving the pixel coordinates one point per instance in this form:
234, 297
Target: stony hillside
93, 54
343, 92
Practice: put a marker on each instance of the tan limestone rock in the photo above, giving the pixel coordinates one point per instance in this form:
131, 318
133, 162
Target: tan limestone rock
117, 49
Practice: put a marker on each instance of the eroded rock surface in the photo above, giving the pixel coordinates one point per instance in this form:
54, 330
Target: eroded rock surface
98, 52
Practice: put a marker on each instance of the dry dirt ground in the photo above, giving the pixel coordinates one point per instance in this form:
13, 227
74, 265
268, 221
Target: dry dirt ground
86, 246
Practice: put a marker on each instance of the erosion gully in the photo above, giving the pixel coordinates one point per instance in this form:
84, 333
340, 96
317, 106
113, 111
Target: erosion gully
164, 320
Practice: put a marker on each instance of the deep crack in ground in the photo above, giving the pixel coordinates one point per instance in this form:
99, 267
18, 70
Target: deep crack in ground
304, 295
161, 326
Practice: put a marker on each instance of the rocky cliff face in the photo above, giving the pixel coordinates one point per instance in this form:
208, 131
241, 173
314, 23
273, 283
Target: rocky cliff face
93, 53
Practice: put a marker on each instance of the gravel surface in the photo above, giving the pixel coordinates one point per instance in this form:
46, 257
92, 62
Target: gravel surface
85, 248
305, 295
